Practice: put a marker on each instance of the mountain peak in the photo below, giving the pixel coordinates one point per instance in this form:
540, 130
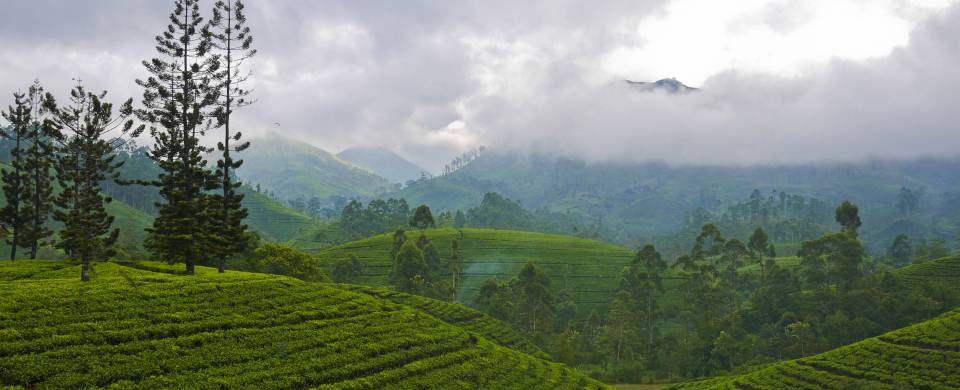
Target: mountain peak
670, 85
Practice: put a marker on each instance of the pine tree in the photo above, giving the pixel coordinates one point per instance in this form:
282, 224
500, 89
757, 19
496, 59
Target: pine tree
18, 115
179, 97
232, 39
37, 181
84, 161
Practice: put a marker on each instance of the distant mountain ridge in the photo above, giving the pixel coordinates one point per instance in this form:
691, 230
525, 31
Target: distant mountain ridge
670, 85
383, 162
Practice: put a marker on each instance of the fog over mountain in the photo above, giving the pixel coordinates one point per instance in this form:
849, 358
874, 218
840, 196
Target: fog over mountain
431, 79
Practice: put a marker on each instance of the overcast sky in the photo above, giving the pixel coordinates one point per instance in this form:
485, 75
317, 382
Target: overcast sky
782, 81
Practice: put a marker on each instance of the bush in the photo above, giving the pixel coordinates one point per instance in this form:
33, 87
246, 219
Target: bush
280, 259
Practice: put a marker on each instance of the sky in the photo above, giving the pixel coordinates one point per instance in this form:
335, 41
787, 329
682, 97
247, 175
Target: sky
781, 81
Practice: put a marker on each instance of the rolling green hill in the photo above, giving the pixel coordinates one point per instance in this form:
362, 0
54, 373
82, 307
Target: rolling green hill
293, 169
922, 356
589, 268
272, 220
134, 328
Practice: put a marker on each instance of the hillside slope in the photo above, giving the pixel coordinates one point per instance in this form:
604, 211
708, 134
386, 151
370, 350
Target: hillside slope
293, 169
943, 274
589, 268
383, 162
131, 328
272, 220
922, 356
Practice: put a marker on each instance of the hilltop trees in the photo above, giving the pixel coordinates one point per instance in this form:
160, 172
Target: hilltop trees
410, 270
232, 41
900, 250
848, 216
759, 246
643, 280
179, 97
86, 159
422, 218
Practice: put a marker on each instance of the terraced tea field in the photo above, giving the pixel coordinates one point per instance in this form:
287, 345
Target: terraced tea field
943, 272
136, 328
922, 356
459, 315
590, 268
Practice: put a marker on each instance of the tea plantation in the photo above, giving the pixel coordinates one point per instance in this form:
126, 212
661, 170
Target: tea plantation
941, 273
922, 356
138, 328
589, 268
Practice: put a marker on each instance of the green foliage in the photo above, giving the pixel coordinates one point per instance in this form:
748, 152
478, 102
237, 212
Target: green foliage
86, 159
241, 330
347, 270
179, 97
422, 218
848, 216
900, 252
379, 216
280, 259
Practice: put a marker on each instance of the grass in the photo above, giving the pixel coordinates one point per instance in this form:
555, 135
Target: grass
589, 268
147, 328
925, 356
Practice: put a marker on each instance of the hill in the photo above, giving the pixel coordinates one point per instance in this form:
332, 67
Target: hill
589, 268
133, 328
272, 220
922, 356
383, 162
294, 169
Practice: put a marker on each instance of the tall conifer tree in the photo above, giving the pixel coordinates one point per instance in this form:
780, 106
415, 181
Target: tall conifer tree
18, 116
85, 160
232, 41
37, 181
179, 97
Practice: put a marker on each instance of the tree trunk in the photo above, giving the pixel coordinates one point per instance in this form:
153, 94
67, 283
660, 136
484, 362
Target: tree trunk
190, 267
220, 266
85, 269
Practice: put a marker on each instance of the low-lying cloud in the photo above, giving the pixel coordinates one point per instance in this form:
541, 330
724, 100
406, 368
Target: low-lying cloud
433, 78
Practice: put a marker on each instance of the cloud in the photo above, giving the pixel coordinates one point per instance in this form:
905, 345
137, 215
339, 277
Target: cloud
433, 78
898, 106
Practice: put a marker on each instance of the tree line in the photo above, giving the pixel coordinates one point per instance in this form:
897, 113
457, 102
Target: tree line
194, 86
705, 313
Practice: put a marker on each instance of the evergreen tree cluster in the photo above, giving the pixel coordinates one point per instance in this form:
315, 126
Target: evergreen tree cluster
195, 84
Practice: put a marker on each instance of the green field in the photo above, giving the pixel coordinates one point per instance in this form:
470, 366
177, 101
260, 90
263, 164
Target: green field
922, 356
134, 328
589, 268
